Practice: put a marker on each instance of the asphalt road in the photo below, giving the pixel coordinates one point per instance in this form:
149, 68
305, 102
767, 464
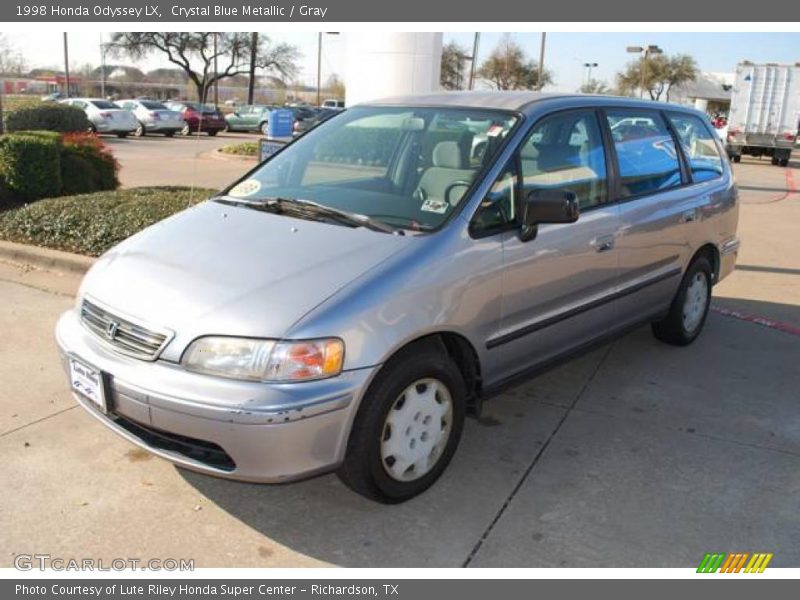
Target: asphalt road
636, 455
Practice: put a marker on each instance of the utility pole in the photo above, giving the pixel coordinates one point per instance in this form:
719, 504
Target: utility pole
319, 68
474, 59
540, 80
216, 81
251, 86
66, 66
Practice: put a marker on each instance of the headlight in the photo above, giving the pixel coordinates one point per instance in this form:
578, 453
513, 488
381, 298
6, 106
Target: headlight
265, 360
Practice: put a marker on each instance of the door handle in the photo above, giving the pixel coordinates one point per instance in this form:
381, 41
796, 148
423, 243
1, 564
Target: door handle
603, 244
689, 216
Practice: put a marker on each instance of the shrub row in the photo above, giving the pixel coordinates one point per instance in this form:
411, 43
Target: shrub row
49, 116
43, 164
92, 223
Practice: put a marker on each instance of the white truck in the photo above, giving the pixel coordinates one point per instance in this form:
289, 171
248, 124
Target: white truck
765, 111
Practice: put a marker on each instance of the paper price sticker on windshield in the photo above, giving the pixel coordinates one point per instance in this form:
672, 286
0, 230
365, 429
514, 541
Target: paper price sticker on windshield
248, 187
435, 206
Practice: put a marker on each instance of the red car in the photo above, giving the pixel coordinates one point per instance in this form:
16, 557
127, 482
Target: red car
198, 117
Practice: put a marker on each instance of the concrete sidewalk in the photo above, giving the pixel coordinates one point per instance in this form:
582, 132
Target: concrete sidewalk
638, 454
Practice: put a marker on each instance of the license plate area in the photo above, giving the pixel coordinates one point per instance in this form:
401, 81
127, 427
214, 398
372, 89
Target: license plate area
89, 382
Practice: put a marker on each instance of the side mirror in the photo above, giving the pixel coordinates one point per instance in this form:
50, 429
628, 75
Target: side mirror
547, 206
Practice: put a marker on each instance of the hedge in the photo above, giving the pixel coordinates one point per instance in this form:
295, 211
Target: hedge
92, 223
39, 164
241, 149
30, 165
49, 116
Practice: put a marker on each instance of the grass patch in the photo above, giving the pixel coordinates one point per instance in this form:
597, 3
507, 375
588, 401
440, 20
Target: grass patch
92, 223
241, 149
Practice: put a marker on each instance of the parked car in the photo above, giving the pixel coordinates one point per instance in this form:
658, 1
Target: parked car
302, 125
250, 117
55, 96
153, 117
105, 116
197, 117
344, 305
333, 103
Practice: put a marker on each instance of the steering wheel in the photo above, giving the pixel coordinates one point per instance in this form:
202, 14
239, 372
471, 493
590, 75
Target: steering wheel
449, 188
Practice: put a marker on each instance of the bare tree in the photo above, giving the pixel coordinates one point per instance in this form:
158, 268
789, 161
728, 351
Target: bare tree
509, 68
194, 53
452, 77
594, 86
11, 60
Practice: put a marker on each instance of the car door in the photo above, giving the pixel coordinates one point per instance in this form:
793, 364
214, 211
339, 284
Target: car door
657, 212
558, 289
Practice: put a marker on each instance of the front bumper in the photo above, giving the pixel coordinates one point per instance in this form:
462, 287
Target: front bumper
239, 430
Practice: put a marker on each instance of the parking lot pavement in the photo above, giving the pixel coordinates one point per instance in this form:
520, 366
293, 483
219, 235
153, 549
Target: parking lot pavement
159, 160
637, 454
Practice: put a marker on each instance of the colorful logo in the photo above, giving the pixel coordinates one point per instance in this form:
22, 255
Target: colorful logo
735, 562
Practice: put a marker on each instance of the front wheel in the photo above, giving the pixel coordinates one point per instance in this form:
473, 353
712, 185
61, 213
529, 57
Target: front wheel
264, 128
186, 130
689, 308
140, 130
212, 133
407, 428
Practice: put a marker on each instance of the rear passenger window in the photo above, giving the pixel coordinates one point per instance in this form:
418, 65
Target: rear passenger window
565, 151
699, 146
648, 161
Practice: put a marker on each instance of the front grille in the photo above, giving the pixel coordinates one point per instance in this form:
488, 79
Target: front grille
202, 451
124, 335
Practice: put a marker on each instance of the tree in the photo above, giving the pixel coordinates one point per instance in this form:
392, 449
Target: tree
335, 87
452, 77
11, 60
194, 53
661, 73
594, 86
509, 68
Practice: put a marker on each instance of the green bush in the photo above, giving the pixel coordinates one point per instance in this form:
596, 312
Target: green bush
49, 116
78, 175
241, 149
30, 165
93, 223
89, 147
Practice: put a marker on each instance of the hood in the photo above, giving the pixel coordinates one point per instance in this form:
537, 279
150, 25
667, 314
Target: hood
220, 269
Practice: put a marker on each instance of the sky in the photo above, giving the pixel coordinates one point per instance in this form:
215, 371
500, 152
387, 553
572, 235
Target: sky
565, 53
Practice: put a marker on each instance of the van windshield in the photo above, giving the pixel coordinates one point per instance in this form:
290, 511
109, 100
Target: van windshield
407, 167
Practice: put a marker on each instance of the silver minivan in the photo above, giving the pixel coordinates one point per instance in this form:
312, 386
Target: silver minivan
349, 301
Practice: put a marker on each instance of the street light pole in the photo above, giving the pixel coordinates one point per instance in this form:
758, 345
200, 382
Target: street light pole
474, 59
319, 64
216, 73
645, 52
66, 66
540, 81
589, 66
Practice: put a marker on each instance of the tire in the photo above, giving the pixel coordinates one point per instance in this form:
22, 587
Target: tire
186, 130
122, 134
212, 133
140, 130
784, 162
737, 158
264, 128
426, 382
169, 134
775, 161
689, 308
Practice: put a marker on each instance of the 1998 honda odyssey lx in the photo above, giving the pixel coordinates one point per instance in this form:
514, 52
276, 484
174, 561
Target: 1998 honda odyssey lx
346, 303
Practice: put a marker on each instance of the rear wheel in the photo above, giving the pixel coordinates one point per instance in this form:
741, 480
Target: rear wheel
737, 158
186, 130
784, 162
407, 428
140, 130
689, 308
122, 134
212, 132
169, 133
264, 128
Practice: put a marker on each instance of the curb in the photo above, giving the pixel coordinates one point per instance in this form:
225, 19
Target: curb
45, 258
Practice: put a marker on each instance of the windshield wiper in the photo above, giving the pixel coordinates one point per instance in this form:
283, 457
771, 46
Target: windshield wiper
279, 205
